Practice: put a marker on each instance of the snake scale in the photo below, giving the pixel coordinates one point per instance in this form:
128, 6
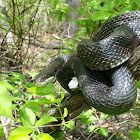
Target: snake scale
99, 65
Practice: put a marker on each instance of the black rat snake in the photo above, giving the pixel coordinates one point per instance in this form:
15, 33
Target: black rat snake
99, 65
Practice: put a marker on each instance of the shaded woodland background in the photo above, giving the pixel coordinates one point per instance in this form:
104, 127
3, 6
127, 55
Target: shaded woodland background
33, 33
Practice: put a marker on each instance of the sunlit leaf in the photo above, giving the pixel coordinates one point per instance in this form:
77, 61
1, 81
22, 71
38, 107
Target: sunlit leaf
7, 85
5, 102
40, 101
88, 120
86, 114
104, 132
71, 125
101, 15
44, 136
20, 137
45, 120
65, 112
21, 130
2, 132
91, 128
45, 90
18, 76
32, 74
27, 116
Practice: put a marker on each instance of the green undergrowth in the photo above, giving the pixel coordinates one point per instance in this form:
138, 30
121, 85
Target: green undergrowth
17, 95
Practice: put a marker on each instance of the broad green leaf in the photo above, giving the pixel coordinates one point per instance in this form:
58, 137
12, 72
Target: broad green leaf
40, 101
65, 112
135, 134
1, 132
36, 109
104, 132
101, 15
45, 90
7, 85
44, 136
21, 130
45, 120
32, 74
27, 116
71, 125
20, 137
88, 120
86, 114
5, 102
18, 76
91, 128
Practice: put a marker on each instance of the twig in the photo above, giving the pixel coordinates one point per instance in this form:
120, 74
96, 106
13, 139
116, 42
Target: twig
133, 122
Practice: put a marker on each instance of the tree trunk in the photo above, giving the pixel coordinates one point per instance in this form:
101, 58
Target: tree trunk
70, 26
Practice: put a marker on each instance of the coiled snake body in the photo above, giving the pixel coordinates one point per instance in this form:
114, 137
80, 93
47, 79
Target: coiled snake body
104, 80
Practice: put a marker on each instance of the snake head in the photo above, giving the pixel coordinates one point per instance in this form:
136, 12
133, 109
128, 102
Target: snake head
44, 77
48, 75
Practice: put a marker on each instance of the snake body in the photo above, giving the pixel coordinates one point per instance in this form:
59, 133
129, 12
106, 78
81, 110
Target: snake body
104, 81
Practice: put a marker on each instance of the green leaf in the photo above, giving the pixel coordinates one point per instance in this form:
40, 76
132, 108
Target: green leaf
7, 85
103, 115
104, 132
62, 95
58, 135
65, 112
91, 128
119, 136
18, 76
40, 101
88, 120
44, 136
20, 137
45, 120
29, 95
32, 74
101, 15
135, 134
138, 84
45, 90
21, 130
137, 2
15, 98
36, 109
5, 102
1, 132
17, 92
27, 116
86, 114
71, 125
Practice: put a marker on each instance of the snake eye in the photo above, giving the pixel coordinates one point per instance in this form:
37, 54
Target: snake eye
106, 90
